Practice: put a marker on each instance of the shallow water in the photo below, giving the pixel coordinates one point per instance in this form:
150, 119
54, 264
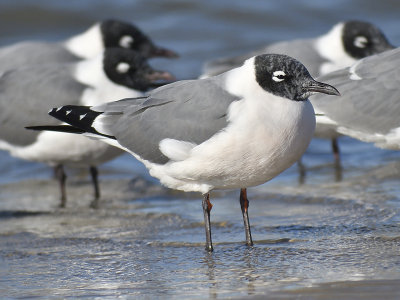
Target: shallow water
318, 240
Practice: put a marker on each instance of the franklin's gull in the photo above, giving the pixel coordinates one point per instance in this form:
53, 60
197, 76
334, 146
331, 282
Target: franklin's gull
26, 94
369, 108
342, 46
239, 129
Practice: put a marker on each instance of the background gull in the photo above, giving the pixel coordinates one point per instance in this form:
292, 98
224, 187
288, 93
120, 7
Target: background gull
369, 107
105, 34
239, 129
342, 46
26, 94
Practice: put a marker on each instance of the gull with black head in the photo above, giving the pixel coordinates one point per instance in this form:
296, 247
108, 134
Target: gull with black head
26, 94
369, 108
342, 46
239, 129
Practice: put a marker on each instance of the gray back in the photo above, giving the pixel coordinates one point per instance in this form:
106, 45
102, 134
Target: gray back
371, 104
26, 96
190, 111
24, 54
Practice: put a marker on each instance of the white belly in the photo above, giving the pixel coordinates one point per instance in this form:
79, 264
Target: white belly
253, 149
66, 148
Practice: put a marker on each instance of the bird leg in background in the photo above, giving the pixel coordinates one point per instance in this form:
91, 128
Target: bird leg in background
336, 156
94, 174
207, 206
244, 205
335, 149
61, 177
302, 171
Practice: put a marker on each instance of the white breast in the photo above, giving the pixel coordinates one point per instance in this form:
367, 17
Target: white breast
265, 135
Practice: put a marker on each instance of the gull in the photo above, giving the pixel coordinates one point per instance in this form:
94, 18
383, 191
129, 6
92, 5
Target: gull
339, 48
369, 108
101, 35
239, 129
26, 93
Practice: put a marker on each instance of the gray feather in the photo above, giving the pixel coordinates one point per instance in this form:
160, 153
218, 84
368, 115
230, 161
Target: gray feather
27, 94
27, 53
371, 104
179, 111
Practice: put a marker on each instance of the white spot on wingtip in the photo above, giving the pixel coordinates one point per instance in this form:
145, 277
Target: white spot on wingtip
58, 108
352, 71
68, 112
82, 116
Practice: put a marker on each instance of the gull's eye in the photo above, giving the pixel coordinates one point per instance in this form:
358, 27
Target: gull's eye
278, 76
126, 41
360, 41
122, 67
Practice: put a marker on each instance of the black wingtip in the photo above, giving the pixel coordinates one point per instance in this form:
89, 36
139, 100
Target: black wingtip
58, 128
79, 118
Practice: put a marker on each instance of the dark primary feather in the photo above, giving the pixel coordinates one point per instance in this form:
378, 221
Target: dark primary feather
58, 128
79, 117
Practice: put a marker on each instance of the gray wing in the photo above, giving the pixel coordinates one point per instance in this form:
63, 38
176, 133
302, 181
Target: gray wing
302, 49
371, 104
27, 53
26, 96
191, 111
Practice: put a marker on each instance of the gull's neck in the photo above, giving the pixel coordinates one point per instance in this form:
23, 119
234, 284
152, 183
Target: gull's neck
330, 46
100, 88
242, 82
91, 72
87, 44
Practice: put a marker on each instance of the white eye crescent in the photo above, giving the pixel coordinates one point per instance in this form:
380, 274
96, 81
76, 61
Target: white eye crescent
122, 67
360, 41
126, 41
278, 76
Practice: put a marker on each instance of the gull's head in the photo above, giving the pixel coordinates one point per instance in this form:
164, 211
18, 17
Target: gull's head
129, 68
362, 39
125, 35
286, 77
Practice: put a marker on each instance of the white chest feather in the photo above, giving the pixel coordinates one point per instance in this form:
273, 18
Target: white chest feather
88, 44
330, 47
259, 143
100, 88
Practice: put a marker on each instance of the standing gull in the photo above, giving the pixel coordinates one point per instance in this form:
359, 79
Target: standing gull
369, 108
26, 94
239, 129
342, 46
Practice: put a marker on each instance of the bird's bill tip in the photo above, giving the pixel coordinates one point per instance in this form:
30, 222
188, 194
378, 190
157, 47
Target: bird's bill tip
163, 52
324, 88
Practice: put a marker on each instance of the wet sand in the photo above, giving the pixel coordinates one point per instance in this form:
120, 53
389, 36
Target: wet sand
313, 241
